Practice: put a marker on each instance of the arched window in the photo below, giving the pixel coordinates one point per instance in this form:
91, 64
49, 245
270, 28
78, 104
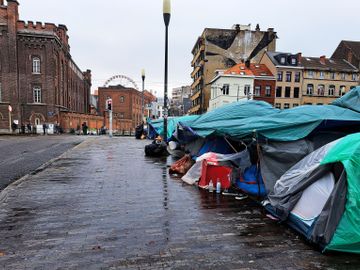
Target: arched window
331, 90
342, 90
310, 89
36, 65
321, 90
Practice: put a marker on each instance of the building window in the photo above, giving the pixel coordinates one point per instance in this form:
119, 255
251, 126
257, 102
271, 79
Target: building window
293, 61
311, 74
321, 90
37, 94
36, 65
247, 90
319, 104
288, 76
280, 76
278, 91
295, 105
282, 60
296, 92
354, 77
122, 99
257, 91
310, 89
332, 75
308, 103
343, 76
225, 89
297, 76
351, 87
322, 74
342, 90
268, 91
278, 105
287, 91
286, 105
121, 115
331, 90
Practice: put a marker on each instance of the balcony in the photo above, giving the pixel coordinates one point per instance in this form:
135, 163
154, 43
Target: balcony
196, 82
197, 55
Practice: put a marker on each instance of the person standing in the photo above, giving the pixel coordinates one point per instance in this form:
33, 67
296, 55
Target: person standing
44, 128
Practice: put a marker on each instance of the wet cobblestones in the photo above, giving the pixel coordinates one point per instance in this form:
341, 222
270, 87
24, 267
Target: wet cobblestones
104, 205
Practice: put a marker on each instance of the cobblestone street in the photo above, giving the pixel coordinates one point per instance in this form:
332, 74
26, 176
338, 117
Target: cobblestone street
104, 205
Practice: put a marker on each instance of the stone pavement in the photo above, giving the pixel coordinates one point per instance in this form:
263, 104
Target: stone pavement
103, 205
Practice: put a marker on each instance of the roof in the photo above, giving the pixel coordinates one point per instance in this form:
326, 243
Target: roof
327, 64
277, 57
257, 70
354, 46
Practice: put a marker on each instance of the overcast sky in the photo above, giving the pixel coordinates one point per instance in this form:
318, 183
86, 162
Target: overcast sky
113, 37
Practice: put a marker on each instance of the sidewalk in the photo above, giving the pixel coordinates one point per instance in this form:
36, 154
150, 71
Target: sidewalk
103, 205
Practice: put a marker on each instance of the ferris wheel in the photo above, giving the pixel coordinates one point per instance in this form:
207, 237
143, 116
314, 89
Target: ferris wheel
122, 80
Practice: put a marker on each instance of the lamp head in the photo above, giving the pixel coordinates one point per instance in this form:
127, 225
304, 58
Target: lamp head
166, 7
143, 73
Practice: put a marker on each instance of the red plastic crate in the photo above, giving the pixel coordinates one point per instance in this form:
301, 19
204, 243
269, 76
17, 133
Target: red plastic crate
214, 172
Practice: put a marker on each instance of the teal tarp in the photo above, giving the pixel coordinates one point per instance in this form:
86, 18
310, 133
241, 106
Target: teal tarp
158, 124
241, 119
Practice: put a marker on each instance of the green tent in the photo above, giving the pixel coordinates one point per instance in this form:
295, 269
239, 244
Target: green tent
320, 196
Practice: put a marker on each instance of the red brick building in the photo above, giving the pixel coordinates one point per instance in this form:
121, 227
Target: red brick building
126, 105
38, 77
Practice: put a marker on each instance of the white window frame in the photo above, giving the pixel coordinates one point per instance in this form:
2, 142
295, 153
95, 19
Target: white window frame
322, 74
36, 65
37, 94
267, 91
354, 77
310, 89
257, 91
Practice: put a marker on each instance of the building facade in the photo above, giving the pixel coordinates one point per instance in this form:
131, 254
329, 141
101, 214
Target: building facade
221, 49
324, 79
126, 105
38, 77
179, 102
289, 75
240, 82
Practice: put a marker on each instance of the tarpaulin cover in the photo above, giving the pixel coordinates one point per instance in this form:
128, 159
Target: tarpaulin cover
347, 234
158, 124
242, 119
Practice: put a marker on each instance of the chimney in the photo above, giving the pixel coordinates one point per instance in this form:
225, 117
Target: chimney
322, 59
299, 57
257, 27
237, 28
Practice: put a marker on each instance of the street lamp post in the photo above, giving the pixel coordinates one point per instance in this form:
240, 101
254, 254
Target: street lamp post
142, 95
166, 13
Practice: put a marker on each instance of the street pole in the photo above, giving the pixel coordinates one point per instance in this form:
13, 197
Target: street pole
110, 123
142, 95
166, 13
10, 121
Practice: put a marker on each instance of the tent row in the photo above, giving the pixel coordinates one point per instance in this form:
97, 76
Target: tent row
302, 164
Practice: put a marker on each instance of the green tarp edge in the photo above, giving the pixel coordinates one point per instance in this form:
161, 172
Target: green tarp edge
347, 235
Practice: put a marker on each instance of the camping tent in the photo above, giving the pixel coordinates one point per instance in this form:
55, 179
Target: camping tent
156, 127
320, 196
241, 119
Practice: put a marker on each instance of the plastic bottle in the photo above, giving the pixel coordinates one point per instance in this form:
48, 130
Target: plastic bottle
211, 186
218, 186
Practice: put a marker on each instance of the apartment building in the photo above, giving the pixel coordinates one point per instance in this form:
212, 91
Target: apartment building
289, 77
326, 79
221, 49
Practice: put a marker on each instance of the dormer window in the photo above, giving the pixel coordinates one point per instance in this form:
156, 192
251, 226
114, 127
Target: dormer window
36, 65
293, 61
282, 60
